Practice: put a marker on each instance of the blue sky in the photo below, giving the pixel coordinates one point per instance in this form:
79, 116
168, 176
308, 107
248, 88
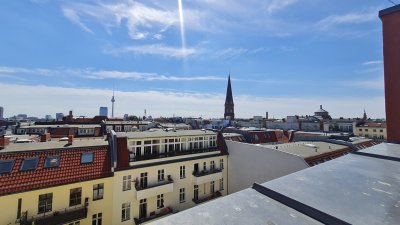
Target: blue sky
285, 56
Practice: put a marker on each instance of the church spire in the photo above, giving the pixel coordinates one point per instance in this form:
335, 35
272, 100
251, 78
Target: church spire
229, 106
365, 116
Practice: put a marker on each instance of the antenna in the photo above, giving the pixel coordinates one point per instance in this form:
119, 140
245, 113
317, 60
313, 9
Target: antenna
392, 2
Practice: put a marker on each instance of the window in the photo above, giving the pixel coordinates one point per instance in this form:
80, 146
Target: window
160, 175
212, 189
143, 208
29, 164
97, 219
126, 212
374, 130
6, 166
160, 201
196, 192
204, 166
366, 130
143, 180
359, 129
381, 131
87, 158
75, 223
182, 195
182, 172
45, 203
19, 208
75, 196
52, 161
126, 183
98, 191
221, 164
212, 165
221, 184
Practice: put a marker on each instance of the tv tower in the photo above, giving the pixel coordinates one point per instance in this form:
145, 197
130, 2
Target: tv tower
112, 107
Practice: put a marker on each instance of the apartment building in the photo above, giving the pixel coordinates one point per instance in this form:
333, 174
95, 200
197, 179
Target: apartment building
56, 183
371, 130
159, 173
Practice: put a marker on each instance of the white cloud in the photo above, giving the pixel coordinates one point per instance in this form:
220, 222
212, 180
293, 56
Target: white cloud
276, 5
16, 72
372, 62
85, 101
350, 18
372, 84
74, 18
156, 49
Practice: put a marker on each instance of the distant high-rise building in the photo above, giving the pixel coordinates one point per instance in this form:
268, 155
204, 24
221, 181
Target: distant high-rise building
1, 113
48, 117
229, 106
59, 116
112, 102
103, 111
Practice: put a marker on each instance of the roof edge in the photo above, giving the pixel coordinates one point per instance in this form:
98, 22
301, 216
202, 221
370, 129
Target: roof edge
390, 10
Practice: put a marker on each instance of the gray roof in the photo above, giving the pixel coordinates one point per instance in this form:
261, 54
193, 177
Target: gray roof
161, 134
85, 142
353, 189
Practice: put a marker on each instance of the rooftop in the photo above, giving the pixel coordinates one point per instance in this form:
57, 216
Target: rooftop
161, 134
353, 189
306, 149
61, 126
54, 144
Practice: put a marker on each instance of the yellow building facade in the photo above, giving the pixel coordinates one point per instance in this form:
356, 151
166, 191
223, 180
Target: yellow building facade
371, 130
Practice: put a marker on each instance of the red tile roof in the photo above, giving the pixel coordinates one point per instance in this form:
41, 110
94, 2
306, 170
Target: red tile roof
70, 170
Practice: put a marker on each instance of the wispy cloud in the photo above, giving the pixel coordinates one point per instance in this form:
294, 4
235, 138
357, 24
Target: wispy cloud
74, 18
276, 5
156, 49
372, 62
349, 18
15, 72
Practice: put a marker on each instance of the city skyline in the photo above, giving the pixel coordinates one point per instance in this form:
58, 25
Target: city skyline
71, 54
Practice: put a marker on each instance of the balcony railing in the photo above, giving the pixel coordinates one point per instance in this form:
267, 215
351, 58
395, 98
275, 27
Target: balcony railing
171, 154
169, 180
163, 212
57, 217
207, 198
161, 187
206, 172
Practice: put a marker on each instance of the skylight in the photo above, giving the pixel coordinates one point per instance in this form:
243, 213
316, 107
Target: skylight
52, 161
29, 164
87, 157
6, 166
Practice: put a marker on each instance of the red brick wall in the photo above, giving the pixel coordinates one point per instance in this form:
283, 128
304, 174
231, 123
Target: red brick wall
122, 152
391, 56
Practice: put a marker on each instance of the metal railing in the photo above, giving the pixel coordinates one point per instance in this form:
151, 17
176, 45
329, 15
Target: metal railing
138, 187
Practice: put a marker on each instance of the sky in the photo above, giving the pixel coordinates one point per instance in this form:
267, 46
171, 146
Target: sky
285, 57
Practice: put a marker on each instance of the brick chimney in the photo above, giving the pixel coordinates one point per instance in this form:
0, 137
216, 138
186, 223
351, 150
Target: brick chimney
70, 139
45, 137
4, 141
391, 59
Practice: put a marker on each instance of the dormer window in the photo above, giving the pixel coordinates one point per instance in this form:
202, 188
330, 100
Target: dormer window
29, 164
52, 161
6, 166
87, 158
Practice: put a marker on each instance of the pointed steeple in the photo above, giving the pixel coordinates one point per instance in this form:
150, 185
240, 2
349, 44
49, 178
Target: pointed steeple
229, 105
229, 98
365, 116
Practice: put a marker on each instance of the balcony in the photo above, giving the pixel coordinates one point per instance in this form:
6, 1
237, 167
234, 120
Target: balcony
201, 177
208, 198
171, 154
158, 188
57, 217
163, 212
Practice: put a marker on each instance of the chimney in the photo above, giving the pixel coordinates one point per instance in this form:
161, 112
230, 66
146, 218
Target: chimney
4, 141
320, 106
266, 115
70, 139
391, 56
45, 137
